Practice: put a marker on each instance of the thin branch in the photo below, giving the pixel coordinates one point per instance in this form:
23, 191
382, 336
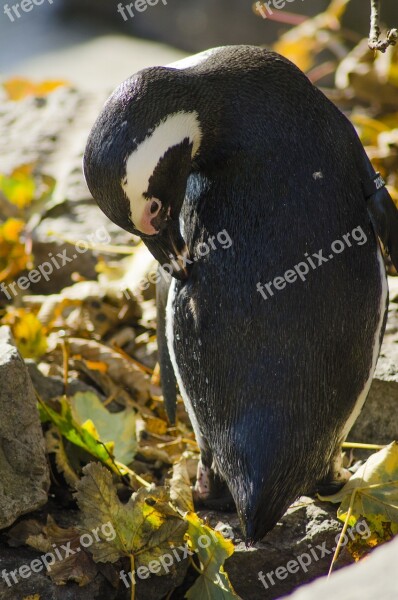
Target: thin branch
374, 42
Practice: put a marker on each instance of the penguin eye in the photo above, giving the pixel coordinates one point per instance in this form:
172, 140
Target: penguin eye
156, 205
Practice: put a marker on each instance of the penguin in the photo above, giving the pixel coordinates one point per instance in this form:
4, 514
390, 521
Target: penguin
237, 139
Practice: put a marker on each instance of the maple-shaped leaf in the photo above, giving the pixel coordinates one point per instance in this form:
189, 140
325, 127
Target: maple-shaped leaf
372, 492
145, 528
212, 550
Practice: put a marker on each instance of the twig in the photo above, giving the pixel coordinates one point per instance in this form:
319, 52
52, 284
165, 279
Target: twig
363, 446
391, 37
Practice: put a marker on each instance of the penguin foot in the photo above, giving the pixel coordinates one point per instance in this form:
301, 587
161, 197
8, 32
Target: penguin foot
210, 491
333, 482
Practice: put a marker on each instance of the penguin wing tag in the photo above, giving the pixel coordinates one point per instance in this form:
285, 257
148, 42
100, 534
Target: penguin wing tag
383, 214
169, 382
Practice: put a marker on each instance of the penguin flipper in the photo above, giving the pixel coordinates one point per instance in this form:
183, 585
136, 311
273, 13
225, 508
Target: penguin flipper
168, 378
384, 217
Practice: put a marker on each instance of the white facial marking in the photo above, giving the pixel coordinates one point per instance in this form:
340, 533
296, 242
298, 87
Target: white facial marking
141, 163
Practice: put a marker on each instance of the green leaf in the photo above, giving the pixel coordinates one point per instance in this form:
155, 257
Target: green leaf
74, 432
212, 550
117, 429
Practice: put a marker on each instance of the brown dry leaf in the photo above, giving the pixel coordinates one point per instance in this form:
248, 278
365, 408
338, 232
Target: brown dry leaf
78, 566
180, 487
22, 531
72, 562
122, 371
156, 425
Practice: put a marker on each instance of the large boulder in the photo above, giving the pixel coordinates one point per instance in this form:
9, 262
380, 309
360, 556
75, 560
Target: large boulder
24, 476
374, 578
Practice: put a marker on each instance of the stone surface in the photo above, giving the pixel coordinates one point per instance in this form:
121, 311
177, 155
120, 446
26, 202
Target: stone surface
52, 132
24, 477
375, 578
306, 524
378, 421
100, 588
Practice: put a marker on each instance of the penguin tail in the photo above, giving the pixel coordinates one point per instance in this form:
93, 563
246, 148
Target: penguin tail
262, 499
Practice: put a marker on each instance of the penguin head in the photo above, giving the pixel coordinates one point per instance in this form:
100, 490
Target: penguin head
139, 156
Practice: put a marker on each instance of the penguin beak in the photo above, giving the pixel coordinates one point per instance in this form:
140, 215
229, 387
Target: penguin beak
170, 249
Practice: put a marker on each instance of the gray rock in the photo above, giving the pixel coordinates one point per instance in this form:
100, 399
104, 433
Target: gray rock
24, 477
100, 588
378, 421
374, 578
307, 526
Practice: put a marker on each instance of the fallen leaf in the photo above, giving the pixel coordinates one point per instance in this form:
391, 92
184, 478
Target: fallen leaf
74, 432
145, 527
212, 550
18, 88
28, 332
118, 428
372, 492
180, 487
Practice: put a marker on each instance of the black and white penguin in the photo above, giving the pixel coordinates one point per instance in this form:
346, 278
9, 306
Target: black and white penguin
236, 139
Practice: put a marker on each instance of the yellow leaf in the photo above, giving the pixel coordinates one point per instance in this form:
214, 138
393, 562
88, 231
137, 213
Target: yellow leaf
212, 550
372, 492
19, 188
27, 331
13, 256
18, 88
302, 43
